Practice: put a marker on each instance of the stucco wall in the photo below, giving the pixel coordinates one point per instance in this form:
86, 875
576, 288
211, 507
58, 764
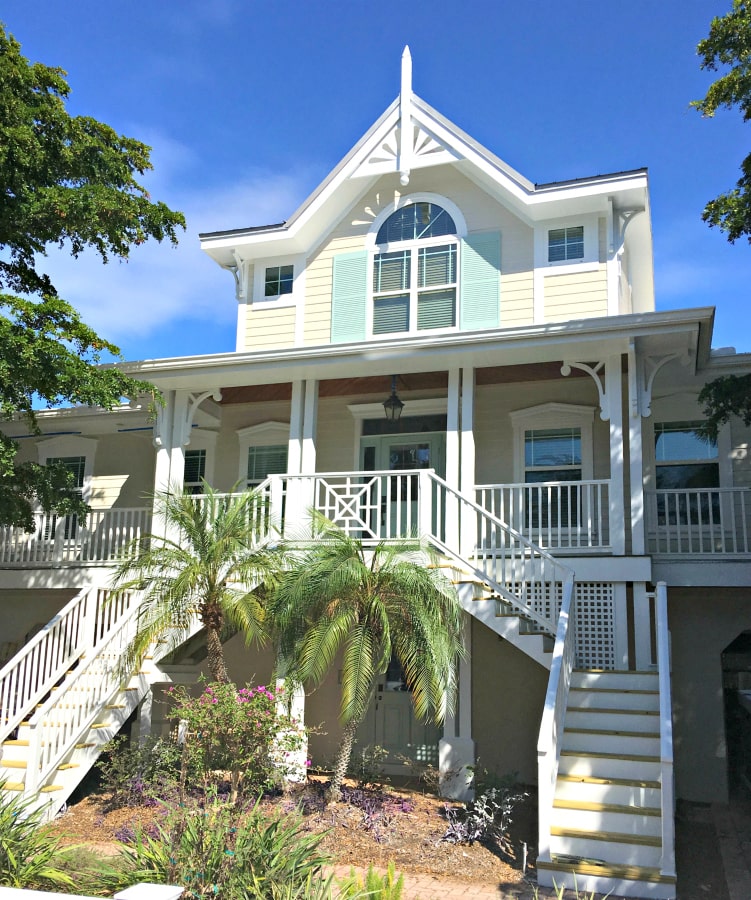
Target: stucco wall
702, 624
21, 611
508, 694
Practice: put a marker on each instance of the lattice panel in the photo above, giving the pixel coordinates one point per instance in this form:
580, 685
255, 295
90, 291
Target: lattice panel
595, 617
595, 625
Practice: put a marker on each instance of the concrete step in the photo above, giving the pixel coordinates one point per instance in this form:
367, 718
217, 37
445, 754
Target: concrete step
612, 880
616, 679
624, 791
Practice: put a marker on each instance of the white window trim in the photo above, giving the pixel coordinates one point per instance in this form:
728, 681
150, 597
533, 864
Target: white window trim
373, 248
205, 440
550, 416
280, 301
591, 260
362, 411
71, 445
264, 434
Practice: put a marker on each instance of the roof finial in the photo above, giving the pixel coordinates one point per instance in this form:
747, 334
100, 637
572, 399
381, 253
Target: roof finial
405, 117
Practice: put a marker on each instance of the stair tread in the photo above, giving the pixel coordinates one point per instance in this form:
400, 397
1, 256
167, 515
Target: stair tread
614, 731
615, 672
621, 782
599, 690
611, 870
15, 742
637, 757
613, 837
610, 710
13, 764
13, 785
561, 803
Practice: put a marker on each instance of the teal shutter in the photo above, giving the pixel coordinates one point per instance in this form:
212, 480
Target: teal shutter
480, 298
349, 297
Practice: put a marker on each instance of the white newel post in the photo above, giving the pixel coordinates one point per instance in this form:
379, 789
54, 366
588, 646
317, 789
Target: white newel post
643, 627
295, 507
293, 705
614, 395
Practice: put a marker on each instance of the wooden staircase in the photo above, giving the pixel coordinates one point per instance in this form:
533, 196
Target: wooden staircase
606, 825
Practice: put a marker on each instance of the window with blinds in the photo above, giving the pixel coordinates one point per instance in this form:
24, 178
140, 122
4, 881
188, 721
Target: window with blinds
687, 467
552, 455
265, 461
195, 471
76, 465
565, 244
414, 287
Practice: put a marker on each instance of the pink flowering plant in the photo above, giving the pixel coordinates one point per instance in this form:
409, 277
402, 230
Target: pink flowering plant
243, 734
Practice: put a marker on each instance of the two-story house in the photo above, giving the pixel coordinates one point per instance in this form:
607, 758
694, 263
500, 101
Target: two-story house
432, 344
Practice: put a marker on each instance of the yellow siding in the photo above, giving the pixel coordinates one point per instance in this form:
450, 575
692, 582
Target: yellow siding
267, 329
481, 213
578, 295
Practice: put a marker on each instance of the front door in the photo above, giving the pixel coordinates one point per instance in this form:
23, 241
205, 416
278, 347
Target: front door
391, 725
404, 453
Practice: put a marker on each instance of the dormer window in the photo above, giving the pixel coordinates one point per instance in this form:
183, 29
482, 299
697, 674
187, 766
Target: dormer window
415, 270
278, 281
566, 244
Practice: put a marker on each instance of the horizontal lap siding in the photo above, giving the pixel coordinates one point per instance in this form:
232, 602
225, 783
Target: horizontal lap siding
579, 295
269, 328
318, 283
481, 212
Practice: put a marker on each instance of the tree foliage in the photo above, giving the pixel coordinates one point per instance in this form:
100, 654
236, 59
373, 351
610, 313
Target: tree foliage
729, 46
368, 604
211, 564
722, 398
71, 182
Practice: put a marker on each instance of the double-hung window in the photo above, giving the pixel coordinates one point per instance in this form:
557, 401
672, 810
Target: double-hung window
687, 468
415, 271
195, 471
76, 465
278, 281
553, 455
264, 461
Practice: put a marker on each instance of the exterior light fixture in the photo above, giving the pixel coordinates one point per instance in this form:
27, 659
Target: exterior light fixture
392, 405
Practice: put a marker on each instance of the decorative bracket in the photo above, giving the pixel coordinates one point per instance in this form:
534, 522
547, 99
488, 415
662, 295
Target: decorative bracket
652, 365
183, 429
160, 431
597, 374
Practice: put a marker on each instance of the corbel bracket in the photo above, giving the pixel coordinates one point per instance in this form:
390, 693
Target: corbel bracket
183, 428
597, 374
652, 365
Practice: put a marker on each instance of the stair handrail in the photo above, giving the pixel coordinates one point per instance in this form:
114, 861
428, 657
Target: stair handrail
562, 573
47, 748
550, 737
29, 675
667, 787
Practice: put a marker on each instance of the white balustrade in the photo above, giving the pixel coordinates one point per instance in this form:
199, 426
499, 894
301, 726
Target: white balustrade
557, 515
698, 522
64, 540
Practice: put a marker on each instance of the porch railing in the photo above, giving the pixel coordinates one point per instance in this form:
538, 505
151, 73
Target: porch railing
64, 540
699, 521
558, 515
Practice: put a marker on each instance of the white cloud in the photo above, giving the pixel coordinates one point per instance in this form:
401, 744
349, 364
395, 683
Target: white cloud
160, 284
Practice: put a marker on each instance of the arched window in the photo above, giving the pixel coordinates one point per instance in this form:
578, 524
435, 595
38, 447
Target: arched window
415, 270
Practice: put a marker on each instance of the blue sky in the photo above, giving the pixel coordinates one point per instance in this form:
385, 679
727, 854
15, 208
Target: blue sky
249, 104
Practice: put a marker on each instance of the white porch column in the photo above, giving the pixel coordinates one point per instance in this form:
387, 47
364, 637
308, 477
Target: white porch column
467, 479
162, 439
297, 412
635, 456
309, 427
180, 438
456, 750
614, 394
452, 456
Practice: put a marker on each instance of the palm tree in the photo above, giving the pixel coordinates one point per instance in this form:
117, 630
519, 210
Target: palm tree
210, 563
368, 603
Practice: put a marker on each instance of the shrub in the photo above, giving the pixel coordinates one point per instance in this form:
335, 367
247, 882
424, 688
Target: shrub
373, 886
139, 774
29, 856
222, 850
485, 818
241, 732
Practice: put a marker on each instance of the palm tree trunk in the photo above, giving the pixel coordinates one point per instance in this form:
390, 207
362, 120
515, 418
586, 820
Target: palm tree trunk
342, 759
216, 655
